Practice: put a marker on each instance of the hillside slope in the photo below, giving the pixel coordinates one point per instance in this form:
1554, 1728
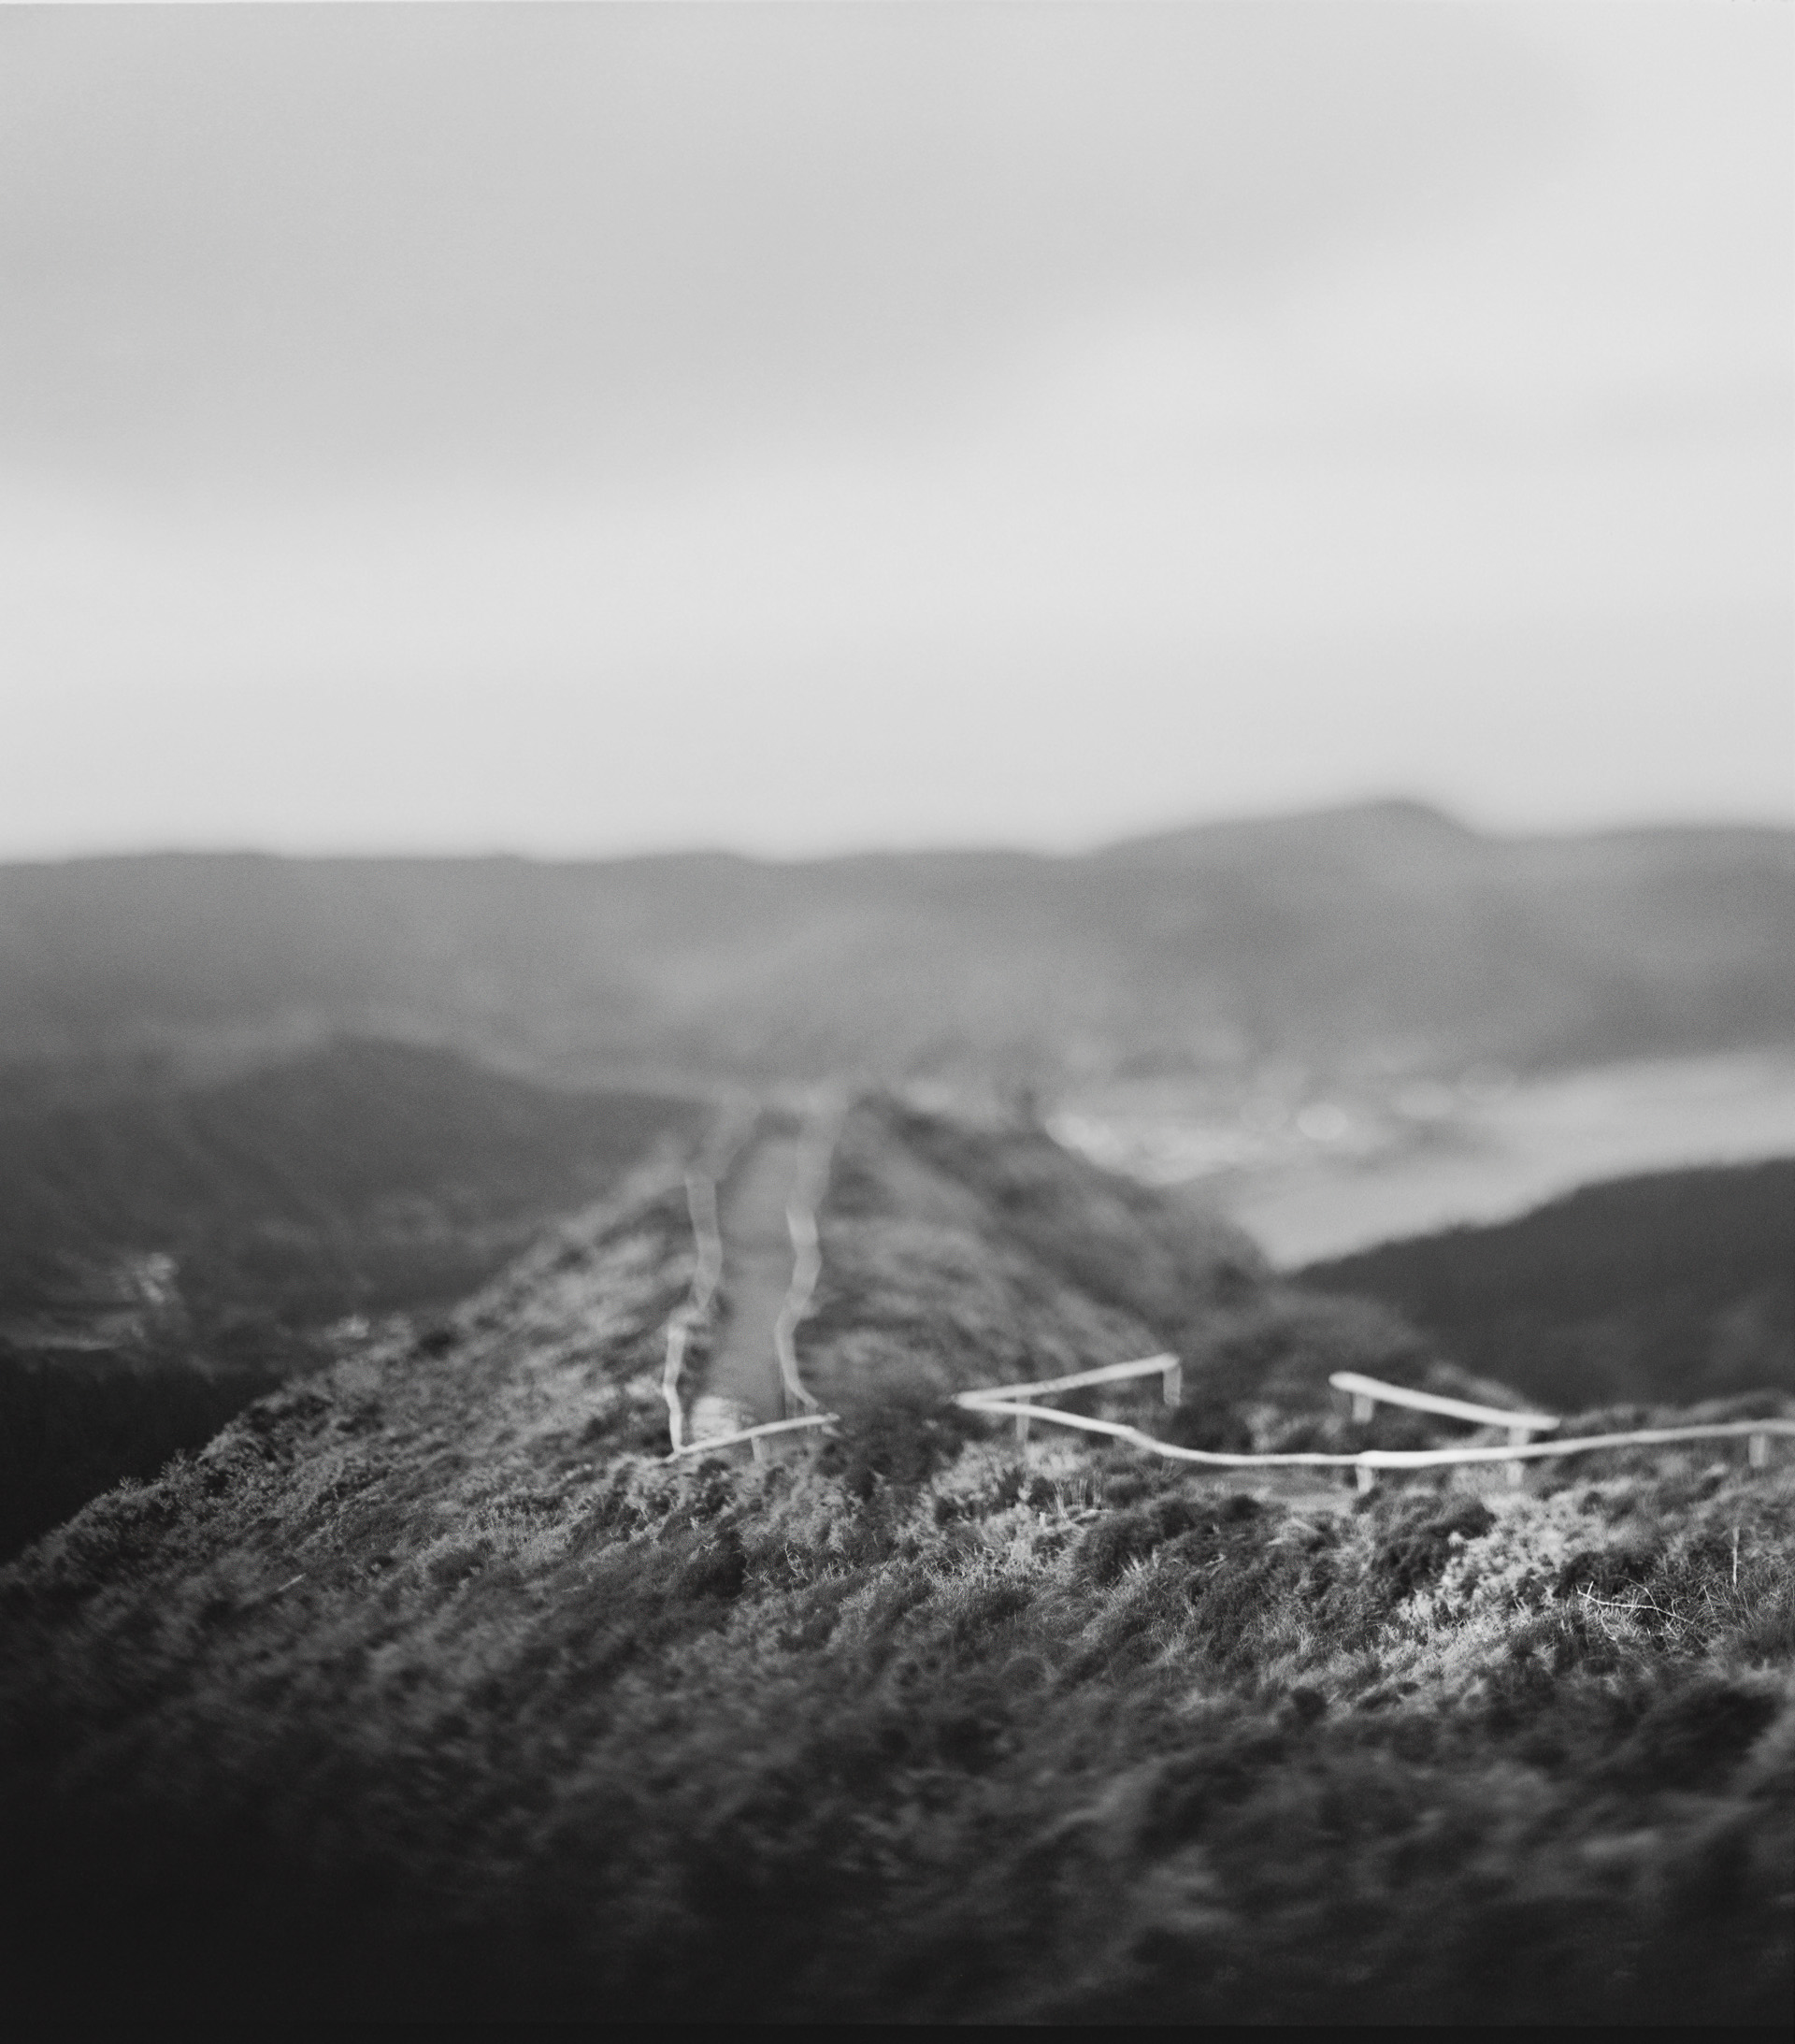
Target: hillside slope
429, 1691
363, 1176
169, 1253
1387, 930
1672, 1285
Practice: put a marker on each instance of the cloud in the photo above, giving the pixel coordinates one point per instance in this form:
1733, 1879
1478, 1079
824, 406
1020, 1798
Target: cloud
503, 235
591, 427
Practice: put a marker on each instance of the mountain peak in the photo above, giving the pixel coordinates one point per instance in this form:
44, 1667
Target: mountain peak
1394, 823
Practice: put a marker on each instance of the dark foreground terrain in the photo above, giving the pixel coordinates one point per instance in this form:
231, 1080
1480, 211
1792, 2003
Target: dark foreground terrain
429, 1689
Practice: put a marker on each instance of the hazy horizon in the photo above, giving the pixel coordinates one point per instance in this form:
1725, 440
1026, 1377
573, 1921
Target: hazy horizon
1149, 829
589, 431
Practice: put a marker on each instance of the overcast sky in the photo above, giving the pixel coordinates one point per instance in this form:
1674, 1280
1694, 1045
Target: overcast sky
592, 429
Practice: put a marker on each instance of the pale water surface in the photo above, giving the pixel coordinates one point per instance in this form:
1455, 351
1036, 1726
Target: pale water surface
1317, 1177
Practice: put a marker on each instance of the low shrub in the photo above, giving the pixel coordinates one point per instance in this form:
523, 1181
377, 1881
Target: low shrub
903, 1441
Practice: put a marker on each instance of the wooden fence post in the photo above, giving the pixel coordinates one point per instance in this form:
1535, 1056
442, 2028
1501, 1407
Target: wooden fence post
1757, 1450
1363, 1407
1172, 1383
1364, 1475
1518, 1437
1022, 1428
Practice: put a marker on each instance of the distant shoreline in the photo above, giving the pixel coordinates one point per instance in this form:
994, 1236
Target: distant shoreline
1494, 1158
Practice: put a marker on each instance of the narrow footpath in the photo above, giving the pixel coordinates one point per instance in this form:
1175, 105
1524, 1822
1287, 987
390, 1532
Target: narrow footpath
743, 1384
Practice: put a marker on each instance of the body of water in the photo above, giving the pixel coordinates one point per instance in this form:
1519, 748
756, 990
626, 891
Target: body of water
1316, 1176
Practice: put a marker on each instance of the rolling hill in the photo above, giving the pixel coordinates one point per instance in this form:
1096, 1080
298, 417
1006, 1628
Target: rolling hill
168, 1253
362, 1178
1386, 933
1672, 1285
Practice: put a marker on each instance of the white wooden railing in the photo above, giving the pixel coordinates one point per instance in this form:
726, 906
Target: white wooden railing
755, 1436
1368, 1393
1169, 1369
701, 1203
807, 1250
1016, 1401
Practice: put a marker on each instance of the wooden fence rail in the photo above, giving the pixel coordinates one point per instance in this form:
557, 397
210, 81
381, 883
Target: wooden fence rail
1017, 1401
726, 1137
701, 1204
755, 1436
1753, 1431
1168, 1368
807, 1266
1368, 1393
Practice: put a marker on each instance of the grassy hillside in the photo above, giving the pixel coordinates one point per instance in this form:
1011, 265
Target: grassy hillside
1676, 1285
429, 1691
169, 1255
1329, 938
364, 1176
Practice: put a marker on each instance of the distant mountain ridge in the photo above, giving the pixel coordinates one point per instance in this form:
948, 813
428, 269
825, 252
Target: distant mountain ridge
1381, 932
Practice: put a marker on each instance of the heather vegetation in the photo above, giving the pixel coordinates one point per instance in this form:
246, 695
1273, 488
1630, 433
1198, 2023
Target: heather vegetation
430, 1690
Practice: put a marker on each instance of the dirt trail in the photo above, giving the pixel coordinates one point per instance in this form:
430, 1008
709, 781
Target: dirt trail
741, 1384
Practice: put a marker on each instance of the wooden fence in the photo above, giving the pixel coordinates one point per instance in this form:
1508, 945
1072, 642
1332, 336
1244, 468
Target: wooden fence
1017, 1401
